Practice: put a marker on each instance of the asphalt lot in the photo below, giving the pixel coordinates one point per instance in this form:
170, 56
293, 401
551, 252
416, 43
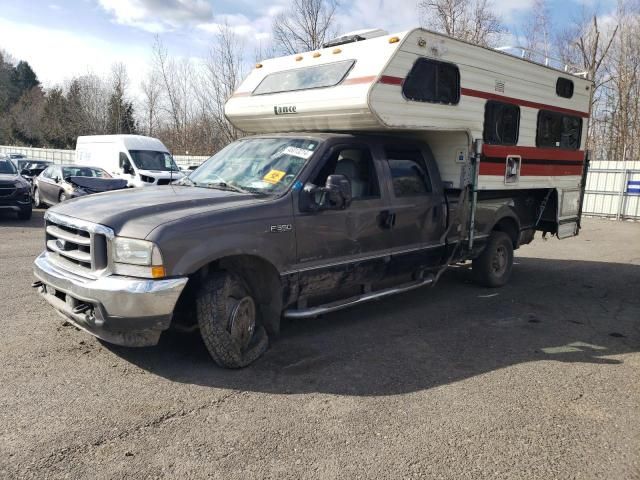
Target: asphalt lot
540, 379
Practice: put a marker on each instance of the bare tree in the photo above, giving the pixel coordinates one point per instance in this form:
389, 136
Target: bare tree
537, 30
473, 21
305, 25
223, 72
176, 78
150, 102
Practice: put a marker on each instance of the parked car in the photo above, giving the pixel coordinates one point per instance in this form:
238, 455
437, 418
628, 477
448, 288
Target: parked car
58, 183
15, 191
32, 168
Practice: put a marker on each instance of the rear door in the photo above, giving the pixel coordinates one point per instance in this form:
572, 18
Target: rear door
417, 207
345, 248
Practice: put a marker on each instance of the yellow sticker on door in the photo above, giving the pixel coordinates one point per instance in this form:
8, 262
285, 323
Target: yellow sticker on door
274, 176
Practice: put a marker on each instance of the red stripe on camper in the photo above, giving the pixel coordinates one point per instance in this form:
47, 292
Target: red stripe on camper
532, 169
533, 152
468, 92
358, 80
388, 80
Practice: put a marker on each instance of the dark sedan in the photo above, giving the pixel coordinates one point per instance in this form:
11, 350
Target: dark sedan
58, 183
14, 190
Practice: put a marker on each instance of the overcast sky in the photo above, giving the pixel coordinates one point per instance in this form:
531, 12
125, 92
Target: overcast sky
63, 38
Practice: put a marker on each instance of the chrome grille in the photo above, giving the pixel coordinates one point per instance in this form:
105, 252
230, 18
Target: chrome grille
76, 245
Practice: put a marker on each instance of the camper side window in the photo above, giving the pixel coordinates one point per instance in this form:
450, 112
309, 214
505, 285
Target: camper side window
501, 123
432, 81
558, 130
409, 172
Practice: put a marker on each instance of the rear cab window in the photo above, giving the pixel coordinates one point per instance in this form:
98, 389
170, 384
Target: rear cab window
409, 173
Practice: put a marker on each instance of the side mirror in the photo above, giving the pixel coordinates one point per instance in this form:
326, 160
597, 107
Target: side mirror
127, 169
335, 195
338, 188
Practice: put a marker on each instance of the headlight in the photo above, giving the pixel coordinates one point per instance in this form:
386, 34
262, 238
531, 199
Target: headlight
138, 258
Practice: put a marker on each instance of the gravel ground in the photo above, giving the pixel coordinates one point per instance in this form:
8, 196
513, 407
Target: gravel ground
540, 379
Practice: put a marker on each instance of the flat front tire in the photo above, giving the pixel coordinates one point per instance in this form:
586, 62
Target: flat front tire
229, 321
494, 265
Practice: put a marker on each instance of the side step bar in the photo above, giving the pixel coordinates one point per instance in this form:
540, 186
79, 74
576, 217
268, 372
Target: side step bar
357, 300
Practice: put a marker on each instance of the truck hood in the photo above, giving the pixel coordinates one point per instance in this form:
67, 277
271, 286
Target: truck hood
137, 212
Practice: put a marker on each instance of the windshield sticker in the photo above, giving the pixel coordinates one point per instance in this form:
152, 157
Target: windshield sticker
297, 152
274, 176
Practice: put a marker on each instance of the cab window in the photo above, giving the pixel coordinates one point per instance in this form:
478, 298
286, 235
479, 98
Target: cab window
409, 172
357, 165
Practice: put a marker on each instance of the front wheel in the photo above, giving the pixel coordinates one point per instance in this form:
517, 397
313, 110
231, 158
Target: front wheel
62, 197
493, 267
25, 214
229, 322
37, 201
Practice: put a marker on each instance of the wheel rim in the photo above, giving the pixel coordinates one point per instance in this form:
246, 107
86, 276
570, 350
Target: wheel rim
499, 260
243, 321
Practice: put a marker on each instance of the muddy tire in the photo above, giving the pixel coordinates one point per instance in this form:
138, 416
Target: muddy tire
493, 267
229, 321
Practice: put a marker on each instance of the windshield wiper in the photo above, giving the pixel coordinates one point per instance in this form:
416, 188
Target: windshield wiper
226, 186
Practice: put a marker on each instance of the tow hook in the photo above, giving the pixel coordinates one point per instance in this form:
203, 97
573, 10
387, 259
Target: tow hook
83, 307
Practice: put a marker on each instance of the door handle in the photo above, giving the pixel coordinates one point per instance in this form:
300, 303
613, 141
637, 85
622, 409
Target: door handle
387, 219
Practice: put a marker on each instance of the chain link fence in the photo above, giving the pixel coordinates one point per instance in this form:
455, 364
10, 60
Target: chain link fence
69, 156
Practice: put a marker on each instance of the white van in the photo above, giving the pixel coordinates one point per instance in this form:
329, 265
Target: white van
142, 161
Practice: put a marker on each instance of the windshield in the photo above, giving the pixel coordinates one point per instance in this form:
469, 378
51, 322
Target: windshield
7, 167
152, 160
256, 165
84, 172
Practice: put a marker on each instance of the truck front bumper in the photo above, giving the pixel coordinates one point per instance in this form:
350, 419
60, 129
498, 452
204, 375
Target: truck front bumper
121, 310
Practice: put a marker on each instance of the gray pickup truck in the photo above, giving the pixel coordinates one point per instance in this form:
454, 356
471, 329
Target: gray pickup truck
273, 226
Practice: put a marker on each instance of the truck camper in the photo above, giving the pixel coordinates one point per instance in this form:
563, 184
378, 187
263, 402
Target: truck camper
376, 162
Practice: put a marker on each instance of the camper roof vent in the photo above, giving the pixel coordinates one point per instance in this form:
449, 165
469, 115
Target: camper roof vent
356, 36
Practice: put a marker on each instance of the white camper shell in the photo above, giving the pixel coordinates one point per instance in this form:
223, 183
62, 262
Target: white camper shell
449, 93
142, 161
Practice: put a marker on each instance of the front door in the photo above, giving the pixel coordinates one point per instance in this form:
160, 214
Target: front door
344, 249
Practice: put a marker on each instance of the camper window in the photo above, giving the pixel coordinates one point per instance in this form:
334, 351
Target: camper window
328, 75
357, 165
564, 87
432, 81
558, 130
501, 123
409, 172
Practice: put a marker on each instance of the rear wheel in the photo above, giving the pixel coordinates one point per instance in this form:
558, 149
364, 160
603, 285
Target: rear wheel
229, 322
493, 267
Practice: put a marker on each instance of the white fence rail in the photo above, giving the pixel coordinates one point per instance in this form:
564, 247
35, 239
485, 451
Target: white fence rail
69, 156
613, 188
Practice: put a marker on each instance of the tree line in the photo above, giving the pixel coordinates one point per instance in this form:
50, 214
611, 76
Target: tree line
181, 100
